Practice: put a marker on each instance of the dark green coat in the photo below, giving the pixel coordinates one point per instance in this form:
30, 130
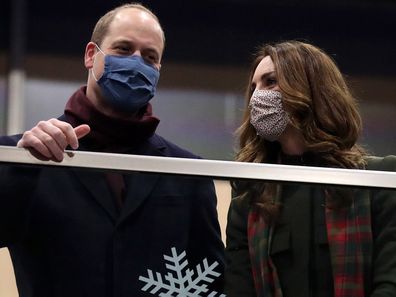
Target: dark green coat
294, 247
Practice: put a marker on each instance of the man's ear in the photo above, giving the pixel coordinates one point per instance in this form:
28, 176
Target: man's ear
90, 51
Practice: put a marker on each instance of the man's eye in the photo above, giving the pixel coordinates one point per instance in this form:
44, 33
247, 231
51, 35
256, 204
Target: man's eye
122, 49
151, 59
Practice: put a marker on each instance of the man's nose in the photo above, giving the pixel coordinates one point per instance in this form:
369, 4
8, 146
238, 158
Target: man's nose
137, 53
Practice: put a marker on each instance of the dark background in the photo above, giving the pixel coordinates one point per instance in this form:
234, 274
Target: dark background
209, 46
359, 34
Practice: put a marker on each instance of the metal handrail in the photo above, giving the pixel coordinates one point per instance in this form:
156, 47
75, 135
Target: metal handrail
209, 168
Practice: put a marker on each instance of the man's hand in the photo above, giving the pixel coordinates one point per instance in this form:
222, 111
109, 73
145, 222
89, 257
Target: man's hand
49, 139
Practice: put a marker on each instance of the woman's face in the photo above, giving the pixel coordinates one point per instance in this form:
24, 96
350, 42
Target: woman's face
264, 78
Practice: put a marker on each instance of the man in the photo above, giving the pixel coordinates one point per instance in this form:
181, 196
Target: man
82, 233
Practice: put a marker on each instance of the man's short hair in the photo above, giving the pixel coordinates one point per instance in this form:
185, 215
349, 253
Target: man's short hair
102, 26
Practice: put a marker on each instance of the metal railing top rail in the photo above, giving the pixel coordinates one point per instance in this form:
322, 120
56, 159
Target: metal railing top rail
209, 168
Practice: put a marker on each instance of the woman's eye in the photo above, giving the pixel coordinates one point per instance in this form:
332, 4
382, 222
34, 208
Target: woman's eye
271, 82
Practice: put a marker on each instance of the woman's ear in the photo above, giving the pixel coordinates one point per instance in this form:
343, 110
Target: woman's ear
90, 51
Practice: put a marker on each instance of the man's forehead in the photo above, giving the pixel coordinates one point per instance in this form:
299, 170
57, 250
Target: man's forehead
137, 16
135, 19
127, 13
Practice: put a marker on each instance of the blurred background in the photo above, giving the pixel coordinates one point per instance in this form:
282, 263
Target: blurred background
209, 46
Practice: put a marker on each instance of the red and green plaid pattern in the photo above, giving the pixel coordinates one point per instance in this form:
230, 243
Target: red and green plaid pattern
264, 272
350, 241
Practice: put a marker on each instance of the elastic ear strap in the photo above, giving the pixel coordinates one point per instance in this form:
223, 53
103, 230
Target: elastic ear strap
100, 49
93, 73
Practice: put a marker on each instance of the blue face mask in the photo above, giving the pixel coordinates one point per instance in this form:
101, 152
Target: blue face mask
127, 83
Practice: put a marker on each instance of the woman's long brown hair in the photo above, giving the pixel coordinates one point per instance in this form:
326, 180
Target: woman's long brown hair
321, 108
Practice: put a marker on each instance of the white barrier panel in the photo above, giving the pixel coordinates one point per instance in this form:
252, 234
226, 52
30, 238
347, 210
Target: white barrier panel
209, 168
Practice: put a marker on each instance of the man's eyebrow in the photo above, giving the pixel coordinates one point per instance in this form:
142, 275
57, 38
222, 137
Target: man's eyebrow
122, 41
151, 49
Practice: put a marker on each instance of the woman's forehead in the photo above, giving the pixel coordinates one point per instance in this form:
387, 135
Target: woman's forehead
265, 66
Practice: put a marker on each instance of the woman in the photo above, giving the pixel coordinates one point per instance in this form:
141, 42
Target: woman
306, 240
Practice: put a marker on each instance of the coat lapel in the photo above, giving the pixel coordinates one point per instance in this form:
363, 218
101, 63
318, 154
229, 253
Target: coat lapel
295, 224
140, 185
96, 185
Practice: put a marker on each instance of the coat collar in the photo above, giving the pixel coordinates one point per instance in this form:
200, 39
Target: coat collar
139, 185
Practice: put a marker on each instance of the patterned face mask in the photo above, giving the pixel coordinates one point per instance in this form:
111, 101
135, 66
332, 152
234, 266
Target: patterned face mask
267, 114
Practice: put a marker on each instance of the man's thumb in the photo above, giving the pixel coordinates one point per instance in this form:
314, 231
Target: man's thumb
82, 130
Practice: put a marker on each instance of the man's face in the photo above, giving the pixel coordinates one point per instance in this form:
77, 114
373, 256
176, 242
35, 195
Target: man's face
132, 32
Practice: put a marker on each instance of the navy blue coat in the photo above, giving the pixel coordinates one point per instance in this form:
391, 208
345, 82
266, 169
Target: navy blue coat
66, 237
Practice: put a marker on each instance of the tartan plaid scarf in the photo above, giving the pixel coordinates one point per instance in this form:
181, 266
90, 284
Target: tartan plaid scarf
350, 241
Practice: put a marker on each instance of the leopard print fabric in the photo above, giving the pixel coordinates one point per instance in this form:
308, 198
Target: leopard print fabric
267, 114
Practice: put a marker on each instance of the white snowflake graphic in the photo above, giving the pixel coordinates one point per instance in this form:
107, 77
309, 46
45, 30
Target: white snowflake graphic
182, 281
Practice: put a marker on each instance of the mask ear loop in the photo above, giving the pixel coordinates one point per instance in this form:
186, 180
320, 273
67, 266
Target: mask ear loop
92, 71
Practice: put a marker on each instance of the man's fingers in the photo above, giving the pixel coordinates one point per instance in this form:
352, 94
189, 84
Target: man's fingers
32, 143
48, 139
72, 135
55, 144
66, 131
51, 134
39, 156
